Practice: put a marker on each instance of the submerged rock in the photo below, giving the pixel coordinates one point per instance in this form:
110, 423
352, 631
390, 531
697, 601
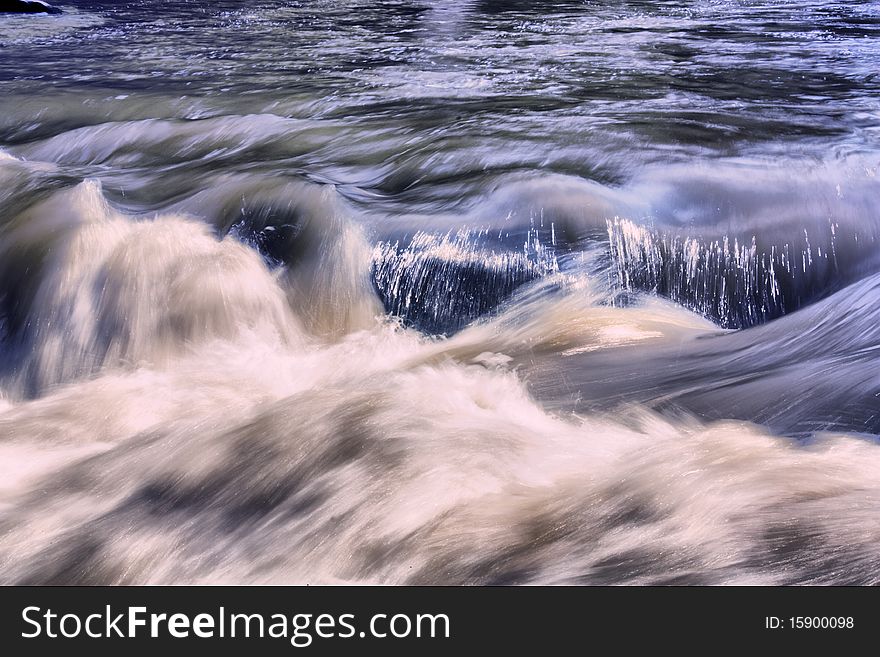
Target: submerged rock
27, 7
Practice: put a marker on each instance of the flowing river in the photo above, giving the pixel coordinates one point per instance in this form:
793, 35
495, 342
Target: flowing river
448, 292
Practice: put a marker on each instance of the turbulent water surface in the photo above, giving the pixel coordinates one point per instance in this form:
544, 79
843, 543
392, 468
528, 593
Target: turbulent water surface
440, 292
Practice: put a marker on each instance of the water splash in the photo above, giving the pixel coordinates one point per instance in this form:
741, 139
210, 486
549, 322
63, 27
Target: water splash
730, 280
440, 283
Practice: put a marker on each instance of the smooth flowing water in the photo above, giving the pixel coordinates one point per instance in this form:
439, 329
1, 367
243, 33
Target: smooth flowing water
440, 292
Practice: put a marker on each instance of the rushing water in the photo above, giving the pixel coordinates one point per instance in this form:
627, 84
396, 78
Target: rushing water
440, 292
